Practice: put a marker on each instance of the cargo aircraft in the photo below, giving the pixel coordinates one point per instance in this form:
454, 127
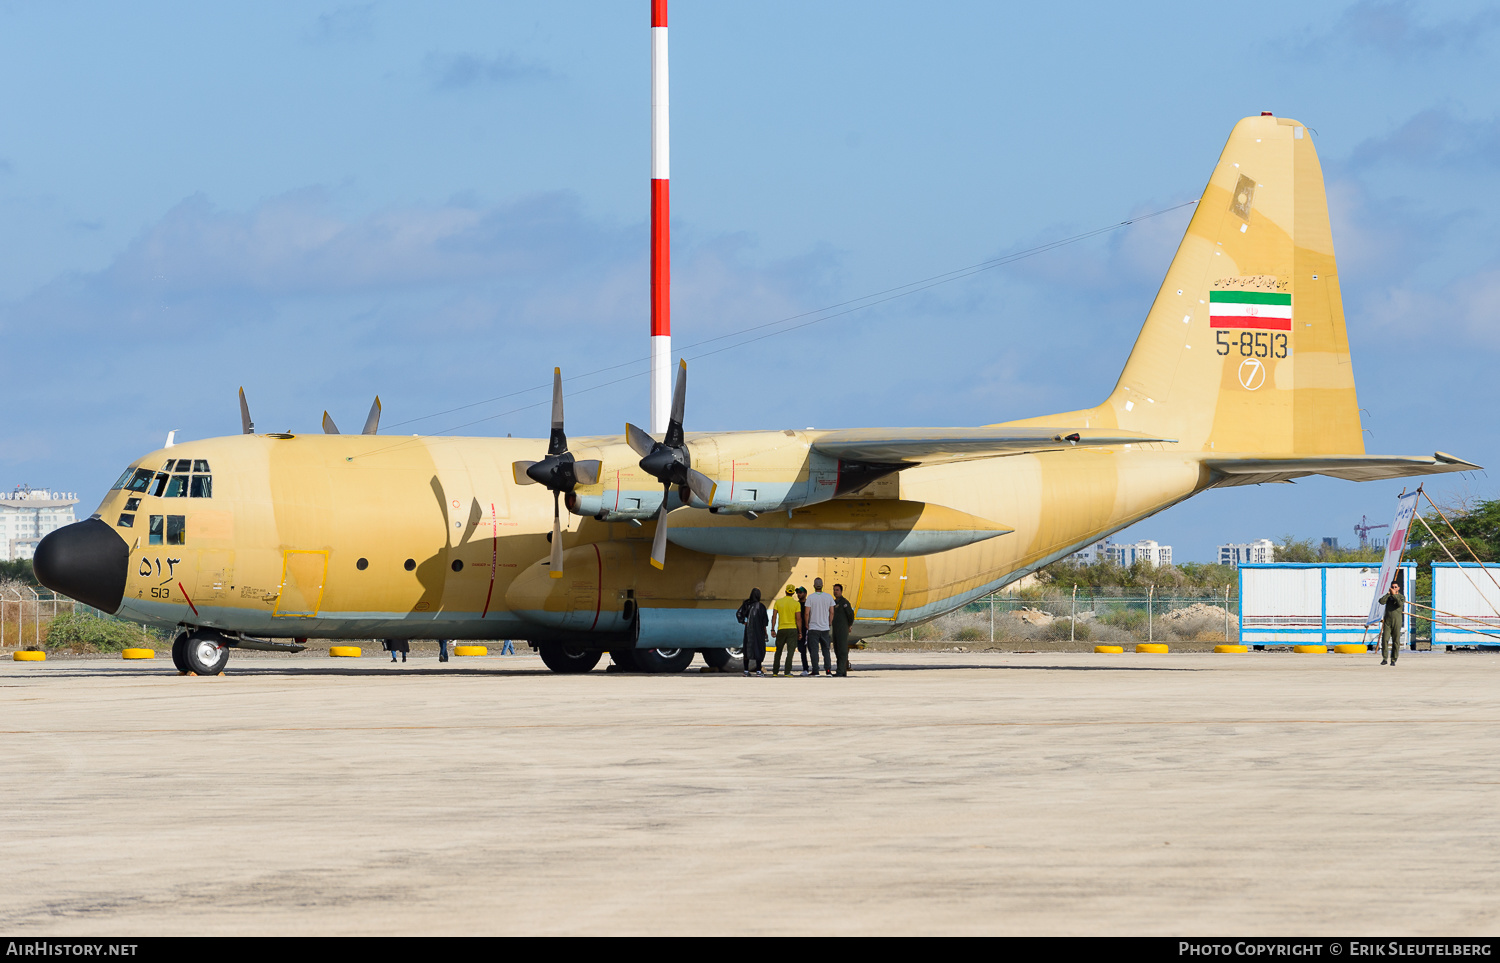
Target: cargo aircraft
1241, 375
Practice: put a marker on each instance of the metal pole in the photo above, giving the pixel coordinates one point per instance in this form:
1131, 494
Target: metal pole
661, 248
1073, 619
1150, 625
992, 618
1226, 613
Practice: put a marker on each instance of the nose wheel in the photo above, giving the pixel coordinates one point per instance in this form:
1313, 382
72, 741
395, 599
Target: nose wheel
199, 654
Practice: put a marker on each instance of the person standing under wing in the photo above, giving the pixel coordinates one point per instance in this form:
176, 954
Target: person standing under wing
785, 616
843, 621
820, 627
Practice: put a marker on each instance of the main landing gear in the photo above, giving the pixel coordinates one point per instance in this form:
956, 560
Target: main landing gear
568, 658
199, 652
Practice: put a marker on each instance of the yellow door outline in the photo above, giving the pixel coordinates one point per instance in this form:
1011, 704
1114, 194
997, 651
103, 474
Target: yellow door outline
302, 576
878, 590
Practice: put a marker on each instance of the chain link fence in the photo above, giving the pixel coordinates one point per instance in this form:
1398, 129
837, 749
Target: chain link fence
1086, 618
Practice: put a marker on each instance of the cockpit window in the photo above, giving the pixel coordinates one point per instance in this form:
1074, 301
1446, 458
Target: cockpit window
178, 486
203, 486
124, 479
141, 481
200, 464
161, 484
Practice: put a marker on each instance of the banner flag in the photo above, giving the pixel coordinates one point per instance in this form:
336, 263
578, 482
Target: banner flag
1406, 507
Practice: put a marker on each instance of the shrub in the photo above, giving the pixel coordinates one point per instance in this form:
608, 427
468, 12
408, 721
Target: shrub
1062, 630
1128, 619
90, 632
971, 633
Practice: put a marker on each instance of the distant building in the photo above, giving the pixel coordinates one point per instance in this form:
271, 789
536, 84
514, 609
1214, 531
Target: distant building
27, 515
1257, 552
1330, 543
1092, 554
1143, 551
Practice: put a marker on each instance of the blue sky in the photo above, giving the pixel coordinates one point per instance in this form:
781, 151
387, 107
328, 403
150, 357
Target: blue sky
438, 203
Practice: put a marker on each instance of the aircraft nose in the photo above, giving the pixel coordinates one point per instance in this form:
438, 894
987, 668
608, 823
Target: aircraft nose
87, 561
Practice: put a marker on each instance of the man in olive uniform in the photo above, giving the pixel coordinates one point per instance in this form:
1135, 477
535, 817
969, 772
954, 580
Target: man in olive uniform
1390, 626
843, 619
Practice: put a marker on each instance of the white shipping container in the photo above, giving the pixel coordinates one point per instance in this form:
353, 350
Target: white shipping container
1312, 603
1472, 599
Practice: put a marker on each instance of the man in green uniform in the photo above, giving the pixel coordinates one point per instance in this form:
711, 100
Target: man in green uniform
786, 622
1390, 626
843, 619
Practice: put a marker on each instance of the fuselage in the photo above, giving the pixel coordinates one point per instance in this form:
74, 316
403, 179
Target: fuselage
352, 536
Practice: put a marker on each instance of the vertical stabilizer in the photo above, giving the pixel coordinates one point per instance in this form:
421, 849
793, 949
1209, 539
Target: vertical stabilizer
1244, 349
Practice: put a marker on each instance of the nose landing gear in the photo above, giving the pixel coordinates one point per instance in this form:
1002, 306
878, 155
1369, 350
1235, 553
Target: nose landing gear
199, 652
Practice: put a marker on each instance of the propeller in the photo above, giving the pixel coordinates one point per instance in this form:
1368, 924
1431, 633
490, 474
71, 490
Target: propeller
669, 462
372, 421
246, 425
558, 472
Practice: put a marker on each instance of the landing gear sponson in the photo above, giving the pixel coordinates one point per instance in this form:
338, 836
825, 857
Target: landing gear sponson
561, 657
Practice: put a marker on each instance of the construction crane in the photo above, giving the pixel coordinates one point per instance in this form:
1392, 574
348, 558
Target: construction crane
1362, 528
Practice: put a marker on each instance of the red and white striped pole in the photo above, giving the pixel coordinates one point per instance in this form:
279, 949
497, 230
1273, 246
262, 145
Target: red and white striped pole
661, 247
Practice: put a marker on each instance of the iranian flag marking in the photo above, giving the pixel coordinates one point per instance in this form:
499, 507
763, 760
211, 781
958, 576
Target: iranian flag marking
1250, 309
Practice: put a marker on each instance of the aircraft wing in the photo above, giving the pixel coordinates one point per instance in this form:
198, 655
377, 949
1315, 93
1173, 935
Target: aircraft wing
932, 446
1257, 470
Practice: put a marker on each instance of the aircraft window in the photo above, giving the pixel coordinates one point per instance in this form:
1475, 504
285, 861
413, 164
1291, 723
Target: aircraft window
362, 564
131, 504
156, 529
203, 486
169, 464
126, 521
411, 563
184, 464
458, 565
161, 484
124, 478
178, 487
200, 464
176, 529
141, 481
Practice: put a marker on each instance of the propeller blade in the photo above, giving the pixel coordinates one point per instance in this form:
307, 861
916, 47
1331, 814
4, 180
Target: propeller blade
372, 420
329, 428
557, 568
519, 470
679, 404
558, 444
246, 425
587, 471
639, 440
702, 486
659, 543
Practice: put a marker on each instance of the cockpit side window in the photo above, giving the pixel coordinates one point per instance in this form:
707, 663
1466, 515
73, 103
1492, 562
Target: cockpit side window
141, 482
178, 486
161, 484
199, 465
124, 480
203, 486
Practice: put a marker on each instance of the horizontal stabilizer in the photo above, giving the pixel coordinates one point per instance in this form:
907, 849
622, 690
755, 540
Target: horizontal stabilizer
1258, 470
935, 446
843, 528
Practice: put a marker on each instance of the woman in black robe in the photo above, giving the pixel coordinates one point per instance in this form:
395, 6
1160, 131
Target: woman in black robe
753, 615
